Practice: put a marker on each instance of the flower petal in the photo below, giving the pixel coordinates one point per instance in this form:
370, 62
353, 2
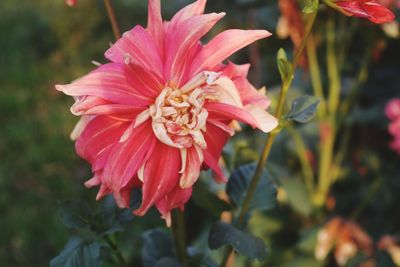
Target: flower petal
194, 160
155, 24
127, 157
107, 82
138, 46
252, 115
175, 199
161, 175
248, 94
101, 133
216, 140
224, 45
196, 8
182, 43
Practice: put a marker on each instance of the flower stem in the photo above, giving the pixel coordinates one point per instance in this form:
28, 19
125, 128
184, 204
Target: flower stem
116, 251
179, 232
271, 137
113, 20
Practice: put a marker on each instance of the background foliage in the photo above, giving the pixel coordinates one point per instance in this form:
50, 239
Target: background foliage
44, 42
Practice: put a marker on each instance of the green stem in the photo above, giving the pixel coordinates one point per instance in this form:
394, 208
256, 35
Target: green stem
116, 251
301, 151
316, 75
113, 20
328, 126
179, 232
333, 70
271, 137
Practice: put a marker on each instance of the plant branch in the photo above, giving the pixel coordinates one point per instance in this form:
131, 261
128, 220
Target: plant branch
179, 232
113, 20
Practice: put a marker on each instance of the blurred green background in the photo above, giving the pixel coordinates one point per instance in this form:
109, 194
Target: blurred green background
43, 43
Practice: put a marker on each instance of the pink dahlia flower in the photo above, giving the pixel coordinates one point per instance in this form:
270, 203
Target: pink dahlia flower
161, 110
71, 2
369, 9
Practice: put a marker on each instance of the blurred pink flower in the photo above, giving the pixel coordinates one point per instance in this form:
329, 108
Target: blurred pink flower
161, 110
369, 9
392, 109
71, 2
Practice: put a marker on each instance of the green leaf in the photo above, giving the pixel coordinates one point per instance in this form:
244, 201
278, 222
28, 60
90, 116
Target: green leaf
225, 234
297, 195
303, 109
157, 245
78, 253
311, 6
203, 198
265, 196
75, 214
284, 66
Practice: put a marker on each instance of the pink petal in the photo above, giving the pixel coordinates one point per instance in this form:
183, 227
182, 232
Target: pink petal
175, 199
194, 9
216, 140
161, 176
252, 115
182, 40
127, 157
224, 45
99, 134
249, 94
265, 121
107, 82
92, 105
155, 24
139, 47
194, 160
145, 82
226, 92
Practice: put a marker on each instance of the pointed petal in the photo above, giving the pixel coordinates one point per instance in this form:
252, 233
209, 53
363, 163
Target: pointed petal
252, 115
138, 47
99, 134
175, 199
80, 126
265, 121
107, 82
182, 42
216, 140
248, 94
161, 176
196, 8
224, 45
126, 158
194, 160
92, 105
155, 24
225, 91
144, 81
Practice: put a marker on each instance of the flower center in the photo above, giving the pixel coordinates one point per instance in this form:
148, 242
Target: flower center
179, 118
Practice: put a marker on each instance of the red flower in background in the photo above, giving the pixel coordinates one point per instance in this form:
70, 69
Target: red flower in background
368, 9
71, 2
162, 109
